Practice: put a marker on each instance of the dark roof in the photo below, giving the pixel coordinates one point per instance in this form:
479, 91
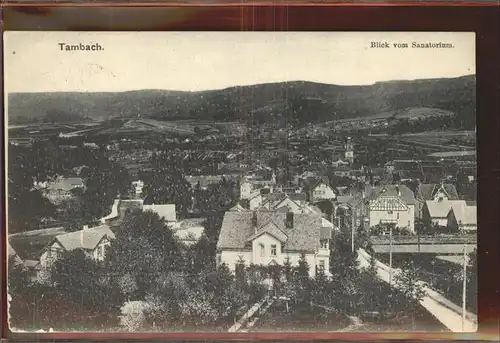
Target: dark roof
237, 228
273, 197
29, 245
297, 196
342, 168
311, 182
426, 191
342, 199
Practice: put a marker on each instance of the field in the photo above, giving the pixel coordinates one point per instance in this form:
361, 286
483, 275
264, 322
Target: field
411, 113
128, 127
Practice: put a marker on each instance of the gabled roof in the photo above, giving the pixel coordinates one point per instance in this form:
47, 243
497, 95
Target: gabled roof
401, 191
274, 197
237, 228
10, 250
166, 211
440, 209
84, 239
466, 215
312, 182
271, 229
237, 208
426, 191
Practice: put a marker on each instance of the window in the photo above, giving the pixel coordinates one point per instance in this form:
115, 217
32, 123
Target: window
273, 250
99, 251
262, 250
324, 243
322, 265
389, 212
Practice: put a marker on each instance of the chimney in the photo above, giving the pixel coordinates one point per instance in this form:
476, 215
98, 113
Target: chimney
398, 191
289, 220
85, 227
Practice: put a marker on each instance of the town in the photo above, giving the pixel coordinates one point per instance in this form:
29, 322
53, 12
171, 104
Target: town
137, 224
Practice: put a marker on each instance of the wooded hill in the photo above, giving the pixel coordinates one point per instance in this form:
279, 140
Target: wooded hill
297, 102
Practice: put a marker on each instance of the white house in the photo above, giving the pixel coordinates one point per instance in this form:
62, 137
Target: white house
256, 199
138, 187
321, 191
435, 212
434, 192
93, 241
270, 237
188, 231
463, 219
391, 204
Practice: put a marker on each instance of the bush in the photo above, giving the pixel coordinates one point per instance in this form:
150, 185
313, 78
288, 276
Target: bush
133, 316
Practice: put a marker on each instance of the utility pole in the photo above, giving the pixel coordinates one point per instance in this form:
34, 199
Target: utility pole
352, 229
418, 238
390, 255
464, 289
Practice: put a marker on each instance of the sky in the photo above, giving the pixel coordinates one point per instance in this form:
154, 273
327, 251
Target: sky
191, 61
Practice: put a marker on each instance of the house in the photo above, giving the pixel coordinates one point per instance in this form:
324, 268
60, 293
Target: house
342, 171
166, 211
275, 200
189, 231
462, 219
93, 241
255, 200
435, 212
351, 210
138, 187
61, 188
237, 208
204, 181
270, 237
339, 162
319, 190
435, 192
393, 204
248, 186
66, 184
